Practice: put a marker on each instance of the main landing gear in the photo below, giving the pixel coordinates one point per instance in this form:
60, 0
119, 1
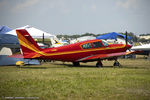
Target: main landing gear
99, 64
76, 63
116, 63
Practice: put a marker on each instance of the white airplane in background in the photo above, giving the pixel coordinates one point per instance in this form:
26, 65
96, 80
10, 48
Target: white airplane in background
141, 47
144, 47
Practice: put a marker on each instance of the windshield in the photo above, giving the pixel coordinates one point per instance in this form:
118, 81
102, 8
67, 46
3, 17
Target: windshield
105, 43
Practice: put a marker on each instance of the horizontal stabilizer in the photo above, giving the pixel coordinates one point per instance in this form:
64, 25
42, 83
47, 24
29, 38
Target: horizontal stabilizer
16, 56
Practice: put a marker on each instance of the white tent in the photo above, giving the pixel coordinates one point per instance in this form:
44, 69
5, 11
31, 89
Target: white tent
5, 51
34, 32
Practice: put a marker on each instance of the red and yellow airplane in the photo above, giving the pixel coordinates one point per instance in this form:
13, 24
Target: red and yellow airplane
91, 50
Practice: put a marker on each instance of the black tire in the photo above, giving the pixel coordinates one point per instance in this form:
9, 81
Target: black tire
76, 63
98, 65
116, 63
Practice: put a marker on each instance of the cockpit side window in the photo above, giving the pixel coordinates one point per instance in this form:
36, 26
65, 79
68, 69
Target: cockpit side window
86, 46
105, 44
97, 44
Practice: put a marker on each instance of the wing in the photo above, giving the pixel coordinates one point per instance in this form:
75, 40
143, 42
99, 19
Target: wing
105, 56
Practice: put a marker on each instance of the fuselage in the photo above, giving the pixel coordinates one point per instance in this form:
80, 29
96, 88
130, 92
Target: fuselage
74, 52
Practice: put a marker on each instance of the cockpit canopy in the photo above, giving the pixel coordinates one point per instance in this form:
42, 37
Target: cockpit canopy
94, 44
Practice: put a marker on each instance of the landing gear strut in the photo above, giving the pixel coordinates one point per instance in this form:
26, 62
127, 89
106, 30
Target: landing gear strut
116, 63
99, 64
76, 63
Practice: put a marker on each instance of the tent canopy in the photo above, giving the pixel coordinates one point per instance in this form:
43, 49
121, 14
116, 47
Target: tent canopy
34, 32
112, 35
4, 29
8, 39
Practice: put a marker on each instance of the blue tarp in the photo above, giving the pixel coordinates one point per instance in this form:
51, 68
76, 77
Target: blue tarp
112, 35
11, 39
5, 60
8, 39
4, 29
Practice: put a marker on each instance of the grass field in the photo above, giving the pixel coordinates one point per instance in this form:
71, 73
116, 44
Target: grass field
57, 81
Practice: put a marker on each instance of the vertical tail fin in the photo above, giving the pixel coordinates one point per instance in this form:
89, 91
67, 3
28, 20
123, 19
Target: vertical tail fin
29, 47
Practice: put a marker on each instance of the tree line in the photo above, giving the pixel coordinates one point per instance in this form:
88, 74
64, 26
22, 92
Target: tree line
134, 37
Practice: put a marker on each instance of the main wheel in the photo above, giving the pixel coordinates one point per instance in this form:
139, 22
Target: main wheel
99, 64
76, 63
116, 63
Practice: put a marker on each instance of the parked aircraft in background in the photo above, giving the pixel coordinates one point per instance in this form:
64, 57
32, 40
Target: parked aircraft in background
85, 51
141, 47
55, 42
144, 47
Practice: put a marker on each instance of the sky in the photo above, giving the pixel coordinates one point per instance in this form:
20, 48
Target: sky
77, 16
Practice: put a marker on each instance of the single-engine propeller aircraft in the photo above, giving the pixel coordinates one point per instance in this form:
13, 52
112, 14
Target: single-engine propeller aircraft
144, 48
85, 51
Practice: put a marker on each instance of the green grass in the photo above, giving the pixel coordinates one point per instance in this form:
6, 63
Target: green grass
55, 81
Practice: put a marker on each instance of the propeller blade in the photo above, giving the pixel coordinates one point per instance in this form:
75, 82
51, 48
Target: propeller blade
126, 37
